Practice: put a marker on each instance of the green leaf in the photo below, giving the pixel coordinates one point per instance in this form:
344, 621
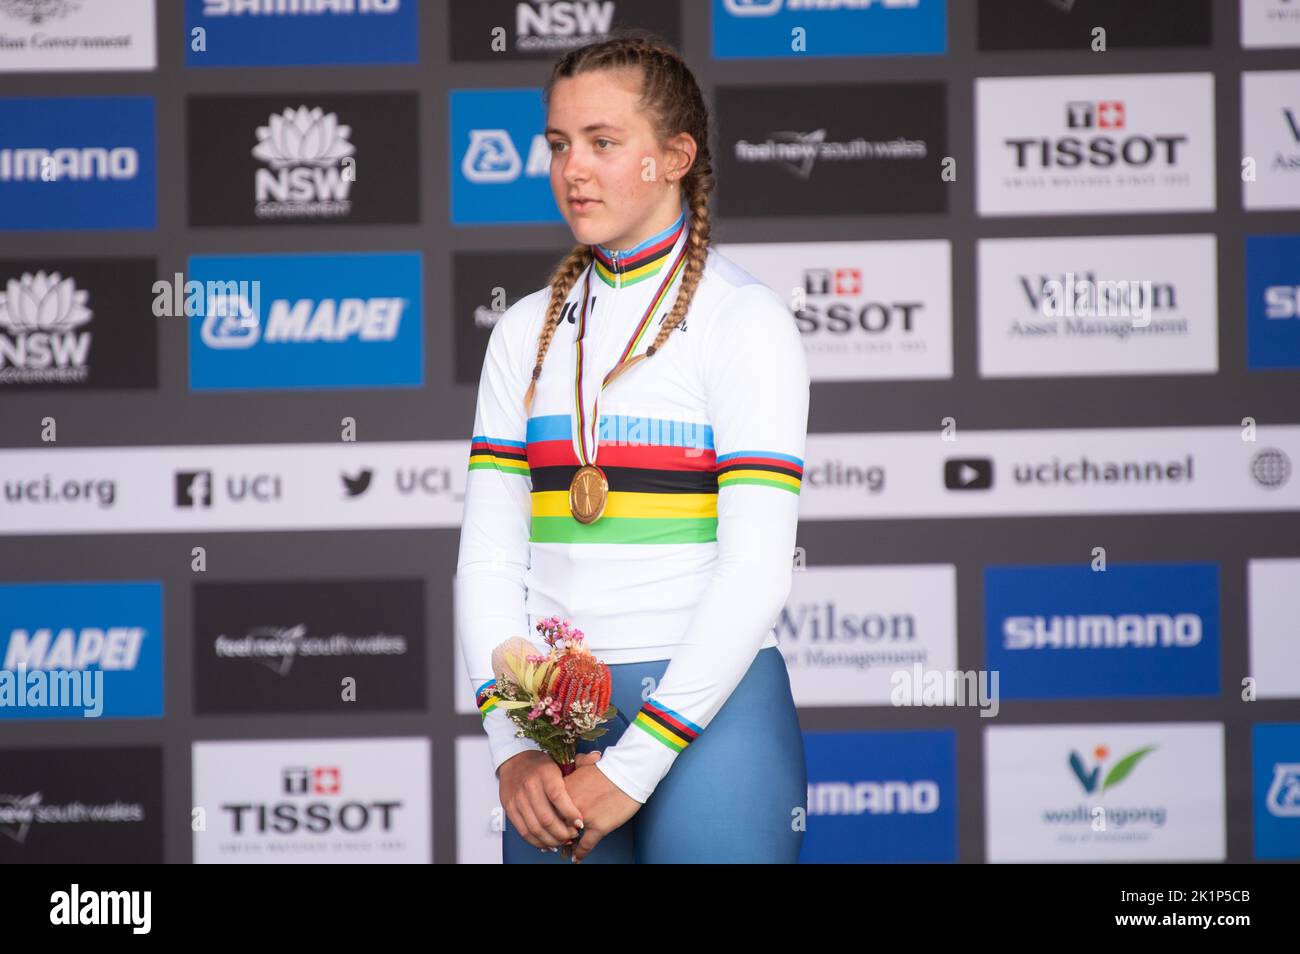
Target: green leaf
1124, 766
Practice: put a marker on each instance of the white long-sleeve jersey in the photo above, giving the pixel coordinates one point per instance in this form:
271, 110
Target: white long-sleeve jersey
703, 446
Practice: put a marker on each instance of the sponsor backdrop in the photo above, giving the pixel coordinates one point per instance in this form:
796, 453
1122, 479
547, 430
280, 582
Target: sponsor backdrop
1044, 256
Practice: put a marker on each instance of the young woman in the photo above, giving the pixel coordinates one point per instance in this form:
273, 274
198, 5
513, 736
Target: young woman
635, 467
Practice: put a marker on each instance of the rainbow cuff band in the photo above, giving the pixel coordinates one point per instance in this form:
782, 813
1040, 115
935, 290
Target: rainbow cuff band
765, 468
492, 453
671, 728
486, 697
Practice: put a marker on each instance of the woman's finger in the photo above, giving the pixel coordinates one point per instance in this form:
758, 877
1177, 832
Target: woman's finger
589, 840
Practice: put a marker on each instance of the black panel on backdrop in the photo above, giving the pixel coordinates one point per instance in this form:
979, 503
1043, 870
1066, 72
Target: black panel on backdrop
289, 646
77, 323
477, 306
1069, 24
303, 159
831, 150
546, 31
82, 806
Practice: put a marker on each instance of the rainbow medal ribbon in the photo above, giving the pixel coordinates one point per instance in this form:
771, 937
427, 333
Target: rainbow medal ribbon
589, 489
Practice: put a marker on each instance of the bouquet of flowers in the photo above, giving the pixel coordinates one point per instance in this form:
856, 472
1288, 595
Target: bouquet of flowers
555, 698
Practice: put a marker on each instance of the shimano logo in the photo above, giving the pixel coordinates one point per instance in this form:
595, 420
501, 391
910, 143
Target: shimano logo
1099, 631
920, 797
79, 163
279, 8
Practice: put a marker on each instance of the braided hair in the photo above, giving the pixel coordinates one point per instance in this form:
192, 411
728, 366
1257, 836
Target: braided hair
671, 98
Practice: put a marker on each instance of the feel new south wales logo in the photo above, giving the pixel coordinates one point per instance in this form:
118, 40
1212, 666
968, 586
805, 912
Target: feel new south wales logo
1095, 821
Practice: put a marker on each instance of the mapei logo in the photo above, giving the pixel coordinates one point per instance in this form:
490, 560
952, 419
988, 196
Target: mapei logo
313, 780
349, 319
1091, 778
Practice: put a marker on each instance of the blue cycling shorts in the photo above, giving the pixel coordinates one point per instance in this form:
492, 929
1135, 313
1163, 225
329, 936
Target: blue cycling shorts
738, 793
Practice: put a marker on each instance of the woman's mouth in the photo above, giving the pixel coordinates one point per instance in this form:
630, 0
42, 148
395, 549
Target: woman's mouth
583, 205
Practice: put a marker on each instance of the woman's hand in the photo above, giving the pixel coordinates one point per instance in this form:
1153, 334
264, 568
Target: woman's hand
536, 800
603, 804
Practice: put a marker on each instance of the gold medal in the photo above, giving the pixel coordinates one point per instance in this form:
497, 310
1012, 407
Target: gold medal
589, 489
588, 492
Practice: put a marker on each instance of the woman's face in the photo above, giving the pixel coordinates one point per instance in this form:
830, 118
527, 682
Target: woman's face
603, 150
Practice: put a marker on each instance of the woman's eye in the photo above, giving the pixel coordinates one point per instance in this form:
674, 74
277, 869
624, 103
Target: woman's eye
555, 146
599, 141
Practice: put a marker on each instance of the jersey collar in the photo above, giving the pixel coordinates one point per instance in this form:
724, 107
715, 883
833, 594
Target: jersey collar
629, 266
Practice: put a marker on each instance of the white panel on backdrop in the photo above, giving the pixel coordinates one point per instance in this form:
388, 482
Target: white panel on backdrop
233, 487
1142, 304
1095, 144
1061, 792
845, 630
313, 801
46, 36
480, 818
866, 310
1274, 599
1270, 137
1050, 472
1270, 23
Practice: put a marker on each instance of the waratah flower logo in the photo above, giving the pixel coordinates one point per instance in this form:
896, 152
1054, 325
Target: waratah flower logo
43, 302
302, 136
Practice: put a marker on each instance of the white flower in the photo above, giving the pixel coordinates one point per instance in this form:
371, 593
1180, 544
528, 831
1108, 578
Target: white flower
303, 136
43, 302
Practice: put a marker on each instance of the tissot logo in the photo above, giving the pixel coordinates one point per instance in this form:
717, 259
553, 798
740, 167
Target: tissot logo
1096, 143
1108, 114
1068, 152
968, 473
328, 811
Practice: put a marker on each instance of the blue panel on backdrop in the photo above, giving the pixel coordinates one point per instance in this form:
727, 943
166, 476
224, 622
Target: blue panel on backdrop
302, 33
881, 796
308, 321
77, 163
500, 160
1055, 632
96, 645
1276, 755
763, 28
1273, 301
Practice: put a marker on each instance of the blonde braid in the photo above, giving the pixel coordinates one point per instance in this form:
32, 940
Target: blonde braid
697, 253
561, 282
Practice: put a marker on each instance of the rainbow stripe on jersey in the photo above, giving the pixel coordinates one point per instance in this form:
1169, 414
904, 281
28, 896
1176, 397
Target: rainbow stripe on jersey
664, 477
664, 725
640, 262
